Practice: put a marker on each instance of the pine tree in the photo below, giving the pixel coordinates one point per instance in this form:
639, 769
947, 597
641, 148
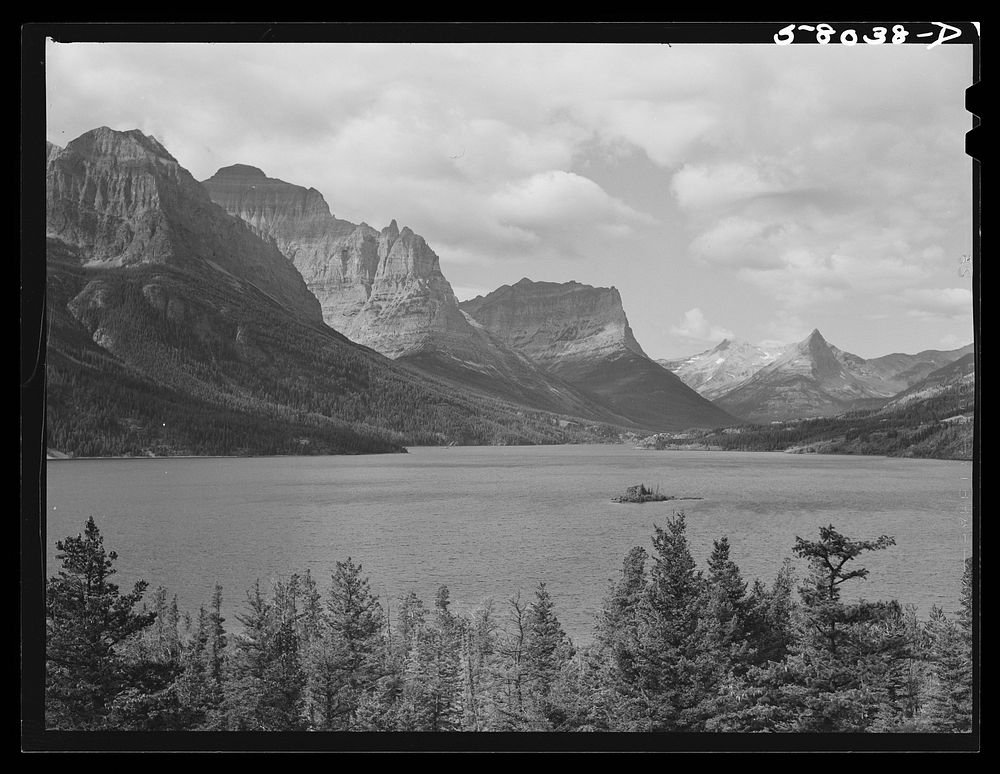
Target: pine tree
770, 616
547, 650
724, 652
349, 659
833, 678
508, 701
445, 683
613, 663
669, 619
194, 684
479, 643
949, 702
87, 618
266, 685
216, 661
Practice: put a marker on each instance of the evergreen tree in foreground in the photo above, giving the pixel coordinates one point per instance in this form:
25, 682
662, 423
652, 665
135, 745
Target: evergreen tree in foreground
547, 650
837, 670
674, 649
86, 618
950, 655
669, 616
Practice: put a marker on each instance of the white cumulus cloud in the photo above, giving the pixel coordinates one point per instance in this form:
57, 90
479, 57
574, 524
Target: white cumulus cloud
695, 326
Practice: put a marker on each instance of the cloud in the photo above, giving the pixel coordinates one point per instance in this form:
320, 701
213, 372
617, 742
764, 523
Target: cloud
695, 326
713, 185
803, 179
952, 341
556, 199
741, 242
947, 303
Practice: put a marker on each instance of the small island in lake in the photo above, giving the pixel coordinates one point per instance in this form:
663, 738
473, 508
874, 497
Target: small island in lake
640, 494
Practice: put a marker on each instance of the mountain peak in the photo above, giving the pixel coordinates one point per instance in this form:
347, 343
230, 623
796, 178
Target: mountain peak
815, 336
120, 199
127, 145
239, 170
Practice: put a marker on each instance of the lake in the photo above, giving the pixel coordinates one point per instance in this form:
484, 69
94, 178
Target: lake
492, 521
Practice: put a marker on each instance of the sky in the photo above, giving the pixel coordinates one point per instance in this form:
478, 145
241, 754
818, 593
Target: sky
745, 191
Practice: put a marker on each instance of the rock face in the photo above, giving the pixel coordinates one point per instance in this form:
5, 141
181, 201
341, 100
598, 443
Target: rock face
716, 371
556, 324
120, 199
810, 378
385, 290
581, 334
815, 378
174, 328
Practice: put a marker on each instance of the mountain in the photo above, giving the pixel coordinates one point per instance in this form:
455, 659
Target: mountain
815, 378
120, 199
716, 371
810, 378
934, 418
900, 371
957, 378
581, 334
385, 290
174, 328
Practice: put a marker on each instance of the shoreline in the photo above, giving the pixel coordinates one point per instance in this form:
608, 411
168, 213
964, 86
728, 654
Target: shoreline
65, 458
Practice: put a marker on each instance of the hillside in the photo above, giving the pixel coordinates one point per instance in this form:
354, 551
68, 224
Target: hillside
934, 418
581, 334
174, 328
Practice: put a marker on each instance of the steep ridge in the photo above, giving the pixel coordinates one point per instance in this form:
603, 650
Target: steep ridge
957, 377
899, 371
385, 290
175, 329
716, 371
810, 378
581, 334
120, 199
814, 378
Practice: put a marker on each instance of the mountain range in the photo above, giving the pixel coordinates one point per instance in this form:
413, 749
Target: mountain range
934, 417
808, 378
557, 347
240, 316
176, 328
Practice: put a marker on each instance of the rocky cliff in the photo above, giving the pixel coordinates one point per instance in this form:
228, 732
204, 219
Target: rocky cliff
174, 328
555, 323
385, 290
810, 378
581, 334
120, 199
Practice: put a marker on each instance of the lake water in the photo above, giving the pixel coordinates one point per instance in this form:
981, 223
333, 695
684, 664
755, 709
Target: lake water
492, 521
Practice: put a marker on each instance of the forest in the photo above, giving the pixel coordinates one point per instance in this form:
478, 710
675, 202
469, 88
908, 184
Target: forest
674, 648
914, 430
213, 370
